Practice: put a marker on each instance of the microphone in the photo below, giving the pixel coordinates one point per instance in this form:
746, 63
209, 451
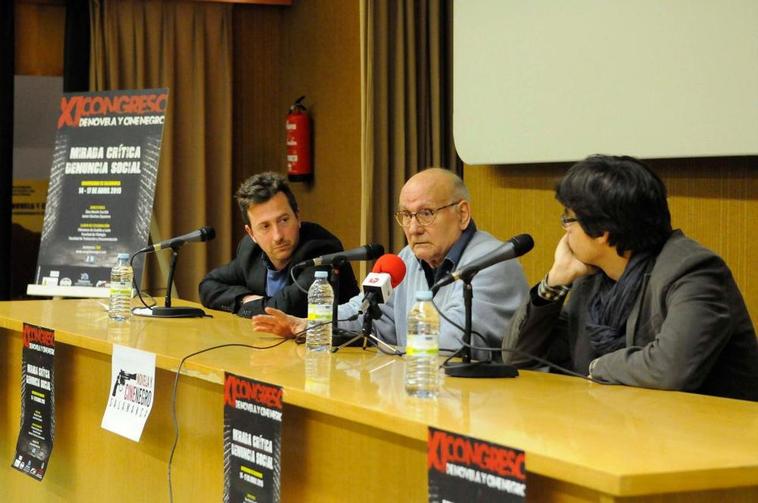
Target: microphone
391, 264
169, 311
202, 234
387, 273
516, 247
366, 252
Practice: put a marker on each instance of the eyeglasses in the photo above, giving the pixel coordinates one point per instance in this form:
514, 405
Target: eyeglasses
567, 220
424, 216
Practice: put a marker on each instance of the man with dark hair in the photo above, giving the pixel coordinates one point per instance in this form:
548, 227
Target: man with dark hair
259, 276
647, 306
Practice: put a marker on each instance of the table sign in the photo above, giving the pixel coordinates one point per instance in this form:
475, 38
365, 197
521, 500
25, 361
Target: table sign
252, 440
465, 469
132, 392
35, 440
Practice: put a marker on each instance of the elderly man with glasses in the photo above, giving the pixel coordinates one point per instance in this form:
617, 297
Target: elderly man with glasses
435, 214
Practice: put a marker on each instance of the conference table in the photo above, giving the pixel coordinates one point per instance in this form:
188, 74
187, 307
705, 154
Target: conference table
352, 433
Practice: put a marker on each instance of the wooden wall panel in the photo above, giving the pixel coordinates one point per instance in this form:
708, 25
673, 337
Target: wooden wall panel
311, 49
39, 38
714, 201
510, 200
321, 60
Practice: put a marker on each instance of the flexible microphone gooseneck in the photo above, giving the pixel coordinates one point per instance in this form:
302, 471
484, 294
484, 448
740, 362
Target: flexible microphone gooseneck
168, 311
366, 252
202, 234
515, 247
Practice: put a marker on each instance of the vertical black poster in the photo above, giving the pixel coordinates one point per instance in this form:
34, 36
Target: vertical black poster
464, 469
102, 185
252, 440
35, 440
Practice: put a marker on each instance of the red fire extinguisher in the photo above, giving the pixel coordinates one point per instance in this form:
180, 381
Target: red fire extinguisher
299, 160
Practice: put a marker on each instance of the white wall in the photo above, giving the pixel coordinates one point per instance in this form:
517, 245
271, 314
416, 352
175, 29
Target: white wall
543, 80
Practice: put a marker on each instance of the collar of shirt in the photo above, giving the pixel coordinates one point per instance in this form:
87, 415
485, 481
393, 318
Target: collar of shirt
275, 280
267, 262
452, 258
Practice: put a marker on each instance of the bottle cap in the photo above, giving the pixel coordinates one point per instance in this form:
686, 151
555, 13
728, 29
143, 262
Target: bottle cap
321, 274
424, 295
123, 256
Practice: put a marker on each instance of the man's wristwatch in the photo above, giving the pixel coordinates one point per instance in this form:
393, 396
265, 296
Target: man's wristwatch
552, 293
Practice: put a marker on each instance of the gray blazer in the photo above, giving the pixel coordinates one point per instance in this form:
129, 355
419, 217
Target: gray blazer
689, 329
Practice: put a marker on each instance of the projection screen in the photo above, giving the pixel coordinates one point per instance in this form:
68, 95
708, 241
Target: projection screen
541, 80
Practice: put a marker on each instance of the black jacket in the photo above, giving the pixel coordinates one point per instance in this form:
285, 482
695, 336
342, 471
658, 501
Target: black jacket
224, 287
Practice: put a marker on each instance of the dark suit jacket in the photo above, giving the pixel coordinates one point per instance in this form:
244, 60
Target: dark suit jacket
224, 287
689, 329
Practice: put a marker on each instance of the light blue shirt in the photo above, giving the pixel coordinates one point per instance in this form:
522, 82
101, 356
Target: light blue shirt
498, 291
275, 280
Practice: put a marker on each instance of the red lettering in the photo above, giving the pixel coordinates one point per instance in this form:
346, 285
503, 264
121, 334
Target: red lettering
434, 455
67, 106
229, 398
130, 392
38, 335
445, 448
234, 389
76, 107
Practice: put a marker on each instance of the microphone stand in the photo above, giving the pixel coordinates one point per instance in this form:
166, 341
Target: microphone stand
334, 280
169, 311
467, 368
373, 312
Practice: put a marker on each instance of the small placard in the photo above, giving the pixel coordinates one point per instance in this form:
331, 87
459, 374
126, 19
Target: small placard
35, 440
464, 469
252, 440
132, 391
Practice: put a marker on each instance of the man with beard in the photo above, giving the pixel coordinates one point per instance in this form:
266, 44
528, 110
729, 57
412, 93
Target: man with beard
259, 276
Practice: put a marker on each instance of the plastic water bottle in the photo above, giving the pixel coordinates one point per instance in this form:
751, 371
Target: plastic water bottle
422, 348
121, 289
318, 368
320, 302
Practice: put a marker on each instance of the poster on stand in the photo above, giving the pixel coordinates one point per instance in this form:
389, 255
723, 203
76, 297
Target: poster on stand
35, 439
463, 469
252, 440
101, 191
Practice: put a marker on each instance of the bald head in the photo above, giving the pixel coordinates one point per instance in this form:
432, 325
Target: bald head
443, 192
443, 182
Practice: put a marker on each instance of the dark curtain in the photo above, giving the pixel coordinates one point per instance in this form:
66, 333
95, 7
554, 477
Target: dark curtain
407, 116
76, 47
186, 47
7, 64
